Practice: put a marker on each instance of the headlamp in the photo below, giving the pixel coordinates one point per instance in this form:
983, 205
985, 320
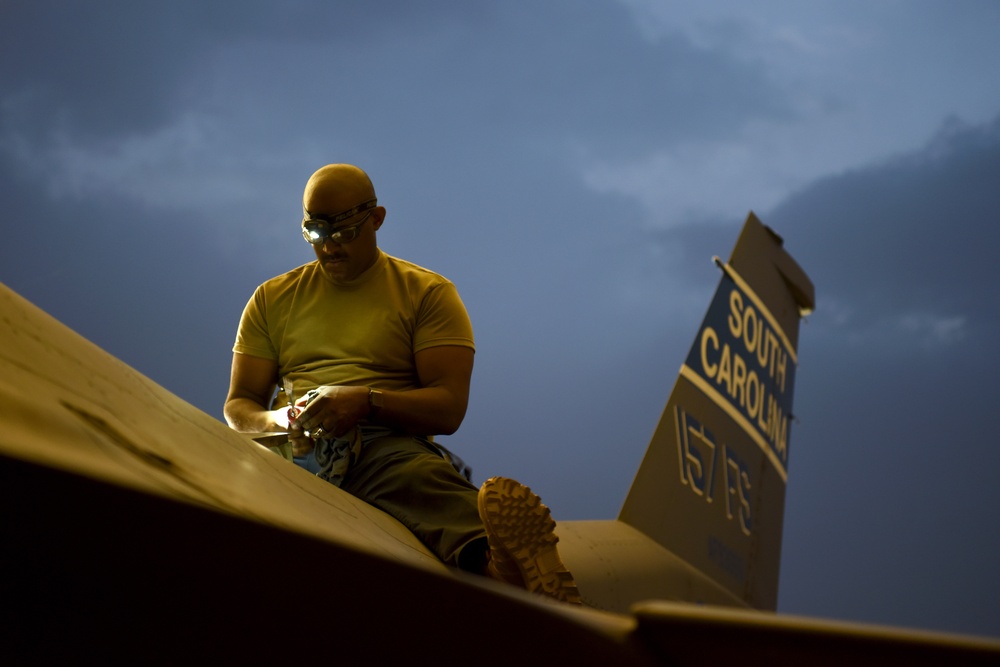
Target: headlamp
316, 229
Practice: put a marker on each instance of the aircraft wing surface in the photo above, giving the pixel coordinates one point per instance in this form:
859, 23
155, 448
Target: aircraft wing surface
136, 527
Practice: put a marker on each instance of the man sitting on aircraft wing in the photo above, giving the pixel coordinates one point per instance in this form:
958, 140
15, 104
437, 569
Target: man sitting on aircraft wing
376, 356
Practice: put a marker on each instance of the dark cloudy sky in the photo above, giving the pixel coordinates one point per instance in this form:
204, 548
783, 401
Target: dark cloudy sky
572, 166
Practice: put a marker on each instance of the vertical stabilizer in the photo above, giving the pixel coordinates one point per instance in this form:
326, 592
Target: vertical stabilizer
711, 487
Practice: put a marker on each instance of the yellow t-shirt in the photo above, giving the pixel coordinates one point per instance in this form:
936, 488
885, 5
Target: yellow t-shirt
364, 332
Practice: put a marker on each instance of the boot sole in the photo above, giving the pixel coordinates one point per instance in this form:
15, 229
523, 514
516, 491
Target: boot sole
518, 524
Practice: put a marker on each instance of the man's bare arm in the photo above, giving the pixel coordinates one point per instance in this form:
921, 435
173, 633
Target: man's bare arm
437, 407
251, 385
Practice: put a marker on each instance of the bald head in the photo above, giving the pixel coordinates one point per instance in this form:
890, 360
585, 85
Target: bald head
335, 188
335, 194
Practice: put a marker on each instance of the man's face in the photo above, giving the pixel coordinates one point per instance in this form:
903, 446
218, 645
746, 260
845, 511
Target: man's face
346, 260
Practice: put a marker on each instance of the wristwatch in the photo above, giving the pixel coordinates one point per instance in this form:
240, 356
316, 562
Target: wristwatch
374, 402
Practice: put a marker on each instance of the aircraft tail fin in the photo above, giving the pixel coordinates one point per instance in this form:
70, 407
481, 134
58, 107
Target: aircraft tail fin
711, 487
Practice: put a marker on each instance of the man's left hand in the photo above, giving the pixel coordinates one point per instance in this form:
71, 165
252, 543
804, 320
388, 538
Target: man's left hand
333, 411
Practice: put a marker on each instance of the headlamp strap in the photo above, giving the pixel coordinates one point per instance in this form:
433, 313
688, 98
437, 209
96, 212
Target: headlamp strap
332, 220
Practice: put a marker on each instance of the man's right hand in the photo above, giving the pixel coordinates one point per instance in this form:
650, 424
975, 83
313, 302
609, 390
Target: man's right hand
301, 443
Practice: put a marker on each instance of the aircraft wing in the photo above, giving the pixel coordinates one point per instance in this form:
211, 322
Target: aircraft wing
138, 528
